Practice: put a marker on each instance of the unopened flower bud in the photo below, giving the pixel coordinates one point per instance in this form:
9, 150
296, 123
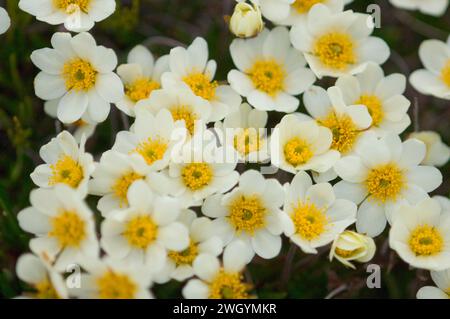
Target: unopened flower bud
246, 20
351, 246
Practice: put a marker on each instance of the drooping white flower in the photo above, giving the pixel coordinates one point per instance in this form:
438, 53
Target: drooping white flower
338, 43
314, 216
435, 78
442, 291
381, 174
66, 163
246, 20
46, 282
298, 145
191, 69
351, 246
420, 234
437, 153
5, 21
250, 213
146, 231
431, 7
270, 71
63, 224
141, 76
78, 76
76, 15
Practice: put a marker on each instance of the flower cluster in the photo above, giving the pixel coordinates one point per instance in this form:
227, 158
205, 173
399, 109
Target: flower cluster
176, 197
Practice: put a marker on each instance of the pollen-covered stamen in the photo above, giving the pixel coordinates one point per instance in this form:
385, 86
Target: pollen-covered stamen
445, 74
247, 141
114, 285
141, 89
303, 6
267, 76
385, 182
196, 175
45, 290
228, 286
141, 231
121, 185
297, 151
71, 6
152, 149
247, 213
79, 75
335, 50
310, 222
344, 131
201, 85
186, 114
66, 170
185, 257
426, 240
68, 228
347, 253
374, 106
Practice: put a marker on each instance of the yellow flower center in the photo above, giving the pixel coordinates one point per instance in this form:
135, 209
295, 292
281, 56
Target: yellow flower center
113, 285
70, 6
196, 175
68, 229
297, 151
445, 74
45, 290
184, 113
335, 50
346, 253
79, 75
120, 187
267, 76
310, 222
152, 150
141, 89
141, 231
344, 131
66, 170
385, 182
185, 257
374, 106
426, 240
228, 286
201, 85
247, 141
303, 6
247, 213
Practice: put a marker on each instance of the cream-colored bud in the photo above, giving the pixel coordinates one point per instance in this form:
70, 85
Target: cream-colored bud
438, 153
246, 20
351, 246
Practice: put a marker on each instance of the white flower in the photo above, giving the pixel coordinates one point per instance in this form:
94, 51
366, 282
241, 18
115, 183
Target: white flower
141, 76
182, 104
152, 139
5, 21
431, 7
435, 78
314, 216
338, 43
442, 291
191, 69
65, 162
444, 202
250, 213
244, 130
143, 233
63, 224
203, 240
246, 20
77, 15
218, 281
46, 282
114, 175
438, 153
271, 72
380, 174
383, 97
109, 278
420, 234
202, 169
78, 76
350, 246
298, 145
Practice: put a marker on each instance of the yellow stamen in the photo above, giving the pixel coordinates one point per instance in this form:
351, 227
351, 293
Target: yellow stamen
66, 170
345, 132
426, 240
113, 285
68, 229
228, 286
247, 213
45, 290
141, 89
120, 187
79, 75
70, 6
385, 182
152, 150
247, 141
141, 231
267, 76
310, 222
374, 106
196, 175
445, 74
303, 6
201, 85
297, 151
335, 50
186, 114
185, 257
346, 253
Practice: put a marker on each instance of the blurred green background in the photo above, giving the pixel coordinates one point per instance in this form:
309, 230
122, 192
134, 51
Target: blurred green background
160, 25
